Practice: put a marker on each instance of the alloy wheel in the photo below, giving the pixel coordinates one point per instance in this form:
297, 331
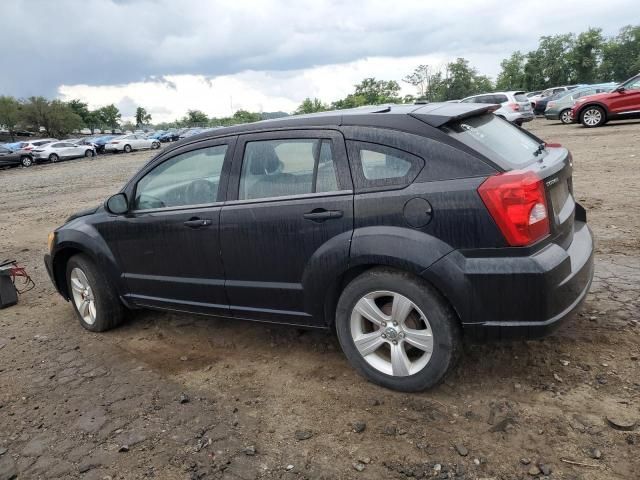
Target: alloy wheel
391, 333
565, 116
26, 161
592, 117
83, 296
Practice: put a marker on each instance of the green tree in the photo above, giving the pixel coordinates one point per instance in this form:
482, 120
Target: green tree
371, 92
109, 116
585, 55
34, 113
463, 80
556, 63
533, 76
142, 117
128, 126
512, 76
9, 114
195, 118
621, 55
310, 106
61, 119
81, 109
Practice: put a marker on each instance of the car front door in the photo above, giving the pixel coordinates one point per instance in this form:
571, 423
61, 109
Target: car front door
288, 219
168, 244
7, 157
627, 102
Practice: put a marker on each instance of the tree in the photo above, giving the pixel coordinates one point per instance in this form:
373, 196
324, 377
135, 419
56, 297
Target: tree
142, 117
9, 113
81, 109
128, 126
310, 106
195, 118
585, 56
621, 55
110, 116
462, 80
512, 76
371, 92
34, 113
61, 119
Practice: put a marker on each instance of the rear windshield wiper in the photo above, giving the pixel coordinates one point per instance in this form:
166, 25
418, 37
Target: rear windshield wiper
539, 150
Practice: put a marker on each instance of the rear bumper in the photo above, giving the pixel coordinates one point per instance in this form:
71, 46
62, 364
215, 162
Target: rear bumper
515, 297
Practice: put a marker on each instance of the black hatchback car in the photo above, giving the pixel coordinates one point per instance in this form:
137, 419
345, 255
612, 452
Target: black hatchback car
403, 228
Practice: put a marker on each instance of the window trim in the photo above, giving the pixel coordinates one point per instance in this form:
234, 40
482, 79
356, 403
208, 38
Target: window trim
132, 186
343, 173
363, 184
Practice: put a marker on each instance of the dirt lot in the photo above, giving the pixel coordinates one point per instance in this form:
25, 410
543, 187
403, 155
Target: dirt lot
172, 396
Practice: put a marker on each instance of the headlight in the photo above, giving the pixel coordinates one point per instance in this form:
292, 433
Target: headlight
50, 240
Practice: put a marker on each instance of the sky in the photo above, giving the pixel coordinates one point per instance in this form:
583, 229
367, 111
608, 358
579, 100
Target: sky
219, 56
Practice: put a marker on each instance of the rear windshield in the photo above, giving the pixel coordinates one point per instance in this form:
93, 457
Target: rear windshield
521, 97
497, 139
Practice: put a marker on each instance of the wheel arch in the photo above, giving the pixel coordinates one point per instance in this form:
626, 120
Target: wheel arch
593, 104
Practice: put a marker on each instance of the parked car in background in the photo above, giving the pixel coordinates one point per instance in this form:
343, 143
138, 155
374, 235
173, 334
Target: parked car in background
12, 155
406, 226
534, 93
514, 106
30, 146
127, 143
170, 136
620, 104
549, 92
101, 142
86, 131
559, 106
62, 151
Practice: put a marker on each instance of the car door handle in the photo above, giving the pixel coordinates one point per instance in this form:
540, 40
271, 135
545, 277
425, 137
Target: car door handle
320, 214
198, 222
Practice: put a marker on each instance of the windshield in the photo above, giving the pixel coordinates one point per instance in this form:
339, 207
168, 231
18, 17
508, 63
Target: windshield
497, 139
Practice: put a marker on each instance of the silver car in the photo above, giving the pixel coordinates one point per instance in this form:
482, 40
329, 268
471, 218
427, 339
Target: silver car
514, 106
63, 151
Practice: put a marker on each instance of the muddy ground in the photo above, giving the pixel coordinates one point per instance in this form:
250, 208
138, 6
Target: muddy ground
173, 396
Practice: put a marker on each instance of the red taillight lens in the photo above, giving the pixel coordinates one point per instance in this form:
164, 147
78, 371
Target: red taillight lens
516, 200
514, 106
28, 148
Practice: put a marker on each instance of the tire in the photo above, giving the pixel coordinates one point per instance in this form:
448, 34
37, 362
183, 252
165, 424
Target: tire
155, 145
104, 311
88, 153
384, 287
127, 149
565, 116
26, 161
53, 158
593, 116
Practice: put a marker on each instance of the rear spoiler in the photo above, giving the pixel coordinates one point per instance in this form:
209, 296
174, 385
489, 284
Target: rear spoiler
438, 114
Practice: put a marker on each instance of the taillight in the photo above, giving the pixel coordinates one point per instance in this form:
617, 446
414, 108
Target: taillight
28, 148
514, 106
516, 201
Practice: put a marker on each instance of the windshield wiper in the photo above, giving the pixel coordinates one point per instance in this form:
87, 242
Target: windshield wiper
539, 150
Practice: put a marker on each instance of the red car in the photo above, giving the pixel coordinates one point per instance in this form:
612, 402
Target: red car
619, 104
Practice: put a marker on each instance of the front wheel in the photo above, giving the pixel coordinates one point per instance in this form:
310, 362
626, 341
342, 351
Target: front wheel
593, 116
397, 330
53, 158
127, 149
26, 161
565, 116
155, 145
88, 153
93, 296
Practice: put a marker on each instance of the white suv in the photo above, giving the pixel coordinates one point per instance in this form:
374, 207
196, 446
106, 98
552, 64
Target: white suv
514, 106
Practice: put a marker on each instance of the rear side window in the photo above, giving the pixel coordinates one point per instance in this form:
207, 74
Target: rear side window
521, 97
498, 140
500, 99
278, 168
377, 165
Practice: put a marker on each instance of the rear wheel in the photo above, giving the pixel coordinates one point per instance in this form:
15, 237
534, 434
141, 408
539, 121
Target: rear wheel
26, 161
88, 153
94, 298
53, 158
593, 116
127, 149
155, 145
565, 116
396, 330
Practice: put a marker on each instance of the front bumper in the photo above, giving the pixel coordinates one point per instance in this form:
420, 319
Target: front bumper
515, 297
48, 263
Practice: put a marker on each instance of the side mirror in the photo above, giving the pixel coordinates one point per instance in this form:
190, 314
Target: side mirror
620, 89
117, 204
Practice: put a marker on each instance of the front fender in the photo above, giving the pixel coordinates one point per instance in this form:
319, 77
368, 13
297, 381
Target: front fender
83, 237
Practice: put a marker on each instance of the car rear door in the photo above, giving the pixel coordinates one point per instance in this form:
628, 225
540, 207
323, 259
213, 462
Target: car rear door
168, 245
288, 218
7, 157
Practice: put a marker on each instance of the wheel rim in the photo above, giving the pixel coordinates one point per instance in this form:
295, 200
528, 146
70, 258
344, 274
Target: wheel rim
127, 148
88, 154
53, 158
566, 116
391, 333
83, 296
26, 162
592, 117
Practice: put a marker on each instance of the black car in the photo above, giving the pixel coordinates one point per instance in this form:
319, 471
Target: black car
403, 228
12, 158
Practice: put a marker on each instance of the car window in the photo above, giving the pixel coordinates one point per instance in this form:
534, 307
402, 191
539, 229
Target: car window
558, 90
469, 100
500, 99
276, 168
521, 97
57, 145
502, 142
190, 178
382, 166
634, 84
